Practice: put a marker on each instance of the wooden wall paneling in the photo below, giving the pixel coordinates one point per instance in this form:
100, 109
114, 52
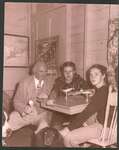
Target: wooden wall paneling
114, 11
77, 37
96, 35
58, 27
12, 76
17, 21
68, 32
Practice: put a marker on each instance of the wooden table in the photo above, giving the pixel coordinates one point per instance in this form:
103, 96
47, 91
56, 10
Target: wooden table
66, 109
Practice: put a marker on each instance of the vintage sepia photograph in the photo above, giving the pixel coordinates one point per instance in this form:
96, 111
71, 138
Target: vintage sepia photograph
60, 75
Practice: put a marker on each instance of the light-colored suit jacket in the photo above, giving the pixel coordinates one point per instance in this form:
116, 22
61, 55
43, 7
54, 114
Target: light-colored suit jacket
27, 91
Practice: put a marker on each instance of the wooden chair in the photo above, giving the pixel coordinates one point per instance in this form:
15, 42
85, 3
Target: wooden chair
109, 133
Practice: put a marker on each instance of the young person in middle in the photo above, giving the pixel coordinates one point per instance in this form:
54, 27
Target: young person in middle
68, 79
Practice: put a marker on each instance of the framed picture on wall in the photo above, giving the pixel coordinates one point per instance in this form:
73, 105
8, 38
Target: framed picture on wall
16, 50
46, 50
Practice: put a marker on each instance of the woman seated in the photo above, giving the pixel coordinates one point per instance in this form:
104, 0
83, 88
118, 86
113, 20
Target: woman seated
69, 79
75, 133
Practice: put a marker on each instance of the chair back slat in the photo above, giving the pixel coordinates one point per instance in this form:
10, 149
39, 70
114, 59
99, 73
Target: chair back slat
113, 125
113, 129
112, 101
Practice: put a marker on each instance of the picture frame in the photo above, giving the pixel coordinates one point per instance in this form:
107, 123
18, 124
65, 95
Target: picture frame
46, 50
16, 50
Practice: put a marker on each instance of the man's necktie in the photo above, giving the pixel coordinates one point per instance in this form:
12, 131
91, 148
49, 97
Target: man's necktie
40, 84
40, 88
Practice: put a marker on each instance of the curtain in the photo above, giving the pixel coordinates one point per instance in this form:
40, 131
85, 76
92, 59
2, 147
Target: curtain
113, 47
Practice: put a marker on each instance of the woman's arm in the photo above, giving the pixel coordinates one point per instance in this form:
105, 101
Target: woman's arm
98, 102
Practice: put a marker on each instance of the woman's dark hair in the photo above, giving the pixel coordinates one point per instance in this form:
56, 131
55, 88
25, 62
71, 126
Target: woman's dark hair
67, 64
102, 69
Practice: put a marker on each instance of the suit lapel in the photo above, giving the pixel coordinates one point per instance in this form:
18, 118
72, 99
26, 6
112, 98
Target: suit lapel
32, 89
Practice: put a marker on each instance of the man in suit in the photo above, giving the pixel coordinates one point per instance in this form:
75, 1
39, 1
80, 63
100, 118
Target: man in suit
27, 108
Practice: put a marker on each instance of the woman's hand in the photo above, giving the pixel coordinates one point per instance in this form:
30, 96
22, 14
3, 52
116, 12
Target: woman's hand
64, 131
50, 102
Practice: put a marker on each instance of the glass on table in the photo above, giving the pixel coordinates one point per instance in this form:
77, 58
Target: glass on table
88, 93
66, 91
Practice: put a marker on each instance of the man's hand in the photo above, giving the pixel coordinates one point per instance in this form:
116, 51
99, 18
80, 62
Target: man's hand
28, 109
31, 116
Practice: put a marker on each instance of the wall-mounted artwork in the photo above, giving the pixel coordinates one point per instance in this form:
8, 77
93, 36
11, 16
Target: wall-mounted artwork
46, 50
16, 50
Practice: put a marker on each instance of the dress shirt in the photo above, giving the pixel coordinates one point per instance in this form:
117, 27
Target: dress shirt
37, 82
